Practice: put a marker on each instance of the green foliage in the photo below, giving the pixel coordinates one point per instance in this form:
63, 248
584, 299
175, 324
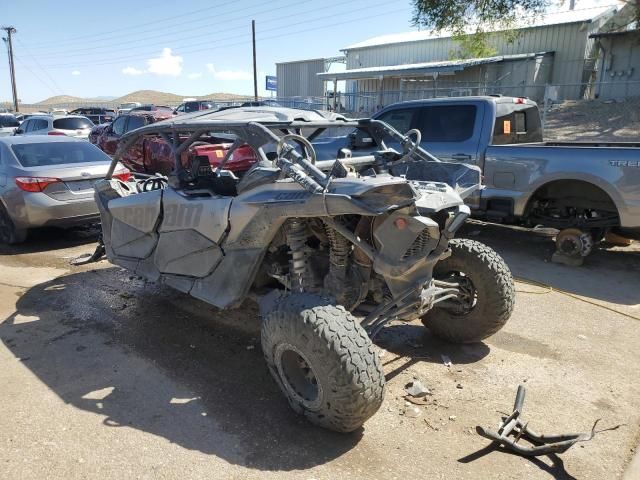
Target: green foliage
475, 45
459, 15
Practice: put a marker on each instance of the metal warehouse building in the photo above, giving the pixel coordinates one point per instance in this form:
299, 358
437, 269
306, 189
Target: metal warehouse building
556, 49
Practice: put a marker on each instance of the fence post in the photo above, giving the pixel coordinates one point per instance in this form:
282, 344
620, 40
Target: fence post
544, 109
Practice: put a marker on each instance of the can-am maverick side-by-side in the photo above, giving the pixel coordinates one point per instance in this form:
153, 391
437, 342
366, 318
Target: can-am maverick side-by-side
331, 255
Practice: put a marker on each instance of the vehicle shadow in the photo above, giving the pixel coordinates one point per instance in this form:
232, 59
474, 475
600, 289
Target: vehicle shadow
152, 359
50, 238
412, 343
528, 255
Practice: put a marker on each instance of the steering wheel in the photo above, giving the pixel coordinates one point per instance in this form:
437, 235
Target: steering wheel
300, 139
411, 150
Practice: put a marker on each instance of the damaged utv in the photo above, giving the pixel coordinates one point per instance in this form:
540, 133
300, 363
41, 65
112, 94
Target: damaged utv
331, 255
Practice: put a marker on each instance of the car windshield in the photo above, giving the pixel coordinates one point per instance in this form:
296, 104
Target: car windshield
57, 153
8, 121
72, 123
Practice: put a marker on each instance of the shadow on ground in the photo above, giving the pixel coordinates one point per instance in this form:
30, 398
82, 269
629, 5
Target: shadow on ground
219, 398
528, 255
48, 239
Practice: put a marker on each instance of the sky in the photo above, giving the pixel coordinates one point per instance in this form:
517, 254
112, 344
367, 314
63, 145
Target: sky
190, 47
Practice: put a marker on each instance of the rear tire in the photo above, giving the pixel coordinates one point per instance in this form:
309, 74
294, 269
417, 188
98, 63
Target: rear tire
492, 293
9, 234
323, 361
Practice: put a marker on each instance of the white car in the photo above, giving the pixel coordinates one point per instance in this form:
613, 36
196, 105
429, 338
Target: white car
70, 125
127, 107
8, 124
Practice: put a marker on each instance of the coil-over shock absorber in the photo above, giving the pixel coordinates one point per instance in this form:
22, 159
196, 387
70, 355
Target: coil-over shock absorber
296, 239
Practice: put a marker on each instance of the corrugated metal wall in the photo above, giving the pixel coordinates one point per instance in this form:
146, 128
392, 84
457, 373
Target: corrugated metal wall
570, 43
299, 79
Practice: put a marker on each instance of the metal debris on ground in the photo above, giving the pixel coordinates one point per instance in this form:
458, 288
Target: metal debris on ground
541, 444
416, 389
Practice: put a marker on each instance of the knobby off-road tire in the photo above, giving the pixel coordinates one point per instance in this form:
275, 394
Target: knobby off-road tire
494, 293
9, 234
323, 361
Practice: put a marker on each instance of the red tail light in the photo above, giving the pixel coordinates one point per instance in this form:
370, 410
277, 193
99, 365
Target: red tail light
122, 176
35, 184
53, 132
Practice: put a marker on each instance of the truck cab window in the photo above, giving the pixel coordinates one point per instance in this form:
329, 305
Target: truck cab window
447, 123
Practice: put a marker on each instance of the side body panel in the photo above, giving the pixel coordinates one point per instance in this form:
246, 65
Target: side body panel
516, 172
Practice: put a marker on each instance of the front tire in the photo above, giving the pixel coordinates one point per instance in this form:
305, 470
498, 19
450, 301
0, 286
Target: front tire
323, 361
490, 294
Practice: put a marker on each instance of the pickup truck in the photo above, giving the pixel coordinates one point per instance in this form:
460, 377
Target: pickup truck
591, 186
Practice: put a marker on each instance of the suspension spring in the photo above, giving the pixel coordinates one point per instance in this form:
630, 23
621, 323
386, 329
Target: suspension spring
297, 238
339, 248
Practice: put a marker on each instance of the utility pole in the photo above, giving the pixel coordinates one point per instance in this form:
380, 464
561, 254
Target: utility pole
10, 31
255, 73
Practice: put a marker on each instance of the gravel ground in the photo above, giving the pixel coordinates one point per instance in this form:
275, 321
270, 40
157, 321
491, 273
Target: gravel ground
106, 376
595, 120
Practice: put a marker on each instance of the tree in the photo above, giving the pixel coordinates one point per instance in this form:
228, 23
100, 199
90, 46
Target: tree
468, 16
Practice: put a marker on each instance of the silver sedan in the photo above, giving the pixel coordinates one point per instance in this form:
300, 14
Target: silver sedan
48, 181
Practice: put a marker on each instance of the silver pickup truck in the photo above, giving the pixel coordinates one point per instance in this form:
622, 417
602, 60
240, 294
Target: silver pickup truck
590, 187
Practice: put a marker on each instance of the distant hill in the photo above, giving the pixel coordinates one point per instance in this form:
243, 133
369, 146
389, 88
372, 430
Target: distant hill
142, 96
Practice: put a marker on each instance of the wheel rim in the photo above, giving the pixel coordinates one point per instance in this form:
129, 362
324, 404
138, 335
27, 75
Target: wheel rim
467, 298
298, 376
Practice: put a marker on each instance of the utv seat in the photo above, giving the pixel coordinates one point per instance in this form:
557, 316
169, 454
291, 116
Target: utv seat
202, 176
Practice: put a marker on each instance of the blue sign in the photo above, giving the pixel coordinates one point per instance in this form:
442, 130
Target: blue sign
272, 83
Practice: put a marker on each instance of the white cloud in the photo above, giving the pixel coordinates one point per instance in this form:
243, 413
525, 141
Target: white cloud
165, 64
132, 71
194, 76
75, 72
228, 74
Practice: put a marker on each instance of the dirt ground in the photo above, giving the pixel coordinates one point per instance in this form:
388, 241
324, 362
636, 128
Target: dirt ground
105, 376
615, 120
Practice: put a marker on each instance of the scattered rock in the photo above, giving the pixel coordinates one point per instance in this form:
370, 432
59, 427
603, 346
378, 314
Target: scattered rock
452, 418
446, 360
412, 411
459, 386
582, 337
416, 389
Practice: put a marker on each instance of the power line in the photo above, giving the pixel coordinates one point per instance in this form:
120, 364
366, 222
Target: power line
133, 27
242, 18
55, 84
26, 67
120, 59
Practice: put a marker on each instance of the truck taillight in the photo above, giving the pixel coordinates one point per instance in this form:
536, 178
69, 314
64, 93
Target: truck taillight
35, 184
519, 100
123, 176
53, 132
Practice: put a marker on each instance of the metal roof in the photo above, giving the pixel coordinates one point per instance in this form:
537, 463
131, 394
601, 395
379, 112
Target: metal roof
615, 34
444, 66
551, 18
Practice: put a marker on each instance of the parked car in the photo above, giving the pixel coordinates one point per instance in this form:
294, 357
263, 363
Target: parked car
127, 106
8, 124
152, 154
261, 103
152, 108
48, 182
69, 125
21, 117
58, 112
97, 115
195, 106
585, 187
106, 136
